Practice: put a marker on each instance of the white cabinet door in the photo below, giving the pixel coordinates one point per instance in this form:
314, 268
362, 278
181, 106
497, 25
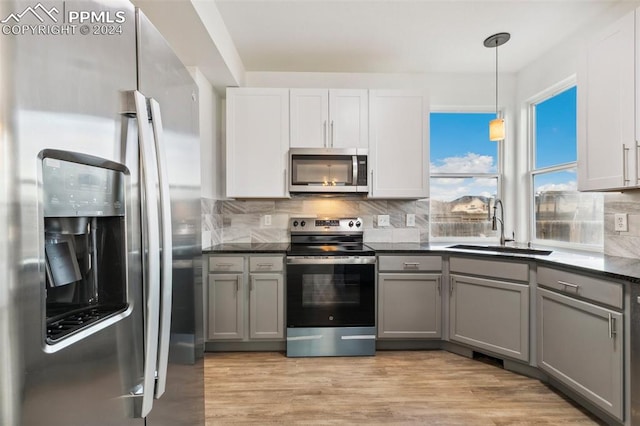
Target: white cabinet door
257, 142
581, 345
490, 314
322, 118
409, 305
607, 153
349, 118
398, 144
266, 306
309, 118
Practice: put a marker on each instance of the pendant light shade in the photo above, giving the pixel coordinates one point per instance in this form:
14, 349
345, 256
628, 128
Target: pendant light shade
496, 129
496, 126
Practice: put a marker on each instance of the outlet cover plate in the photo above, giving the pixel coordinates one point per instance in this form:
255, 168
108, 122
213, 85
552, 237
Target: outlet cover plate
621, 223
411, 219
383, 220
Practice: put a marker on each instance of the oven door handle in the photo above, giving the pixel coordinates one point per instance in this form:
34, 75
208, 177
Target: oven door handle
331, 260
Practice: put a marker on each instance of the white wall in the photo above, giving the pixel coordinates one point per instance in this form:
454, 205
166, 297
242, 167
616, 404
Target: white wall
210, 137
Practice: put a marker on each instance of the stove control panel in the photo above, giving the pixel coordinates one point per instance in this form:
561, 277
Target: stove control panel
326, 225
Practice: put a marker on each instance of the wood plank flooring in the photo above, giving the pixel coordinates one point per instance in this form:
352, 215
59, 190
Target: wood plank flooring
394, 387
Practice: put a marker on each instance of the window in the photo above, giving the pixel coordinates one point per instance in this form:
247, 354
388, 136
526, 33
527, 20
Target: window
465, 175
560, 212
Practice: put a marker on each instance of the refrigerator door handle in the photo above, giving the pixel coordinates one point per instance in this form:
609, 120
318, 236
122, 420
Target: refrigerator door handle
166, 287
151, 247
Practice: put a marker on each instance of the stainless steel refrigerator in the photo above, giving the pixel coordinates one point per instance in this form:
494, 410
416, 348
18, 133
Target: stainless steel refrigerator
100, 272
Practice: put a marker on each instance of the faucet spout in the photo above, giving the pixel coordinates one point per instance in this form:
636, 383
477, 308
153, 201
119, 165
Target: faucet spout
495, 220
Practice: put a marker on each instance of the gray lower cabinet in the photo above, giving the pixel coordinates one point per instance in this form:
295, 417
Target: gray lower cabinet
247, 304
226, 307
409, 305
490, 314
266, 306
581, 345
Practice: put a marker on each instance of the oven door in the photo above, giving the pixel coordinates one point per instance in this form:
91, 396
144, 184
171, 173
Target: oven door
330, 292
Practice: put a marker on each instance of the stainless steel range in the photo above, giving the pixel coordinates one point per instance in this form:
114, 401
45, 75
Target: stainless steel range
330, 289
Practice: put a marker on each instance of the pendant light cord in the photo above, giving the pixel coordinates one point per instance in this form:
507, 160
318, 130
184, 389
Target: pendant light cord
496, 78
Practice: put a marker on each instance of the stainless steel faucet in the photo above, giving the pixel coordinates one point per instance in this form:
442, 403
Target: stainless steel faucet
495, 219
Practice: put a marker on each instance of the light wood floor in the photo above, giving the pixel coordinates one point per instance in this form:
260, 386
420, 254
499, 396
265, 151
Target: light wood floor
394, 387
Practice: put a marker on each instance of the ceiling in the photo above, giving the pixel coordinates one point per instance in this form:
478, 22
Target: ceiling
399, 36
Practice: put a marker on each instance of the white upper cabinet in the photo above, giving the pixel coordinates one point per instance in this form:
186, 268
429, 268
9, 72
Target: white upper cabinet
257, 142
398, 144
322, 118
607, 97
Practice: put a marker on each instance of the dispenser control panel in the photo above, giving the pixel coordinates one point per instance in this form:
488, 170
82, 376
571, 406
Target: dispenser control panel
75, 189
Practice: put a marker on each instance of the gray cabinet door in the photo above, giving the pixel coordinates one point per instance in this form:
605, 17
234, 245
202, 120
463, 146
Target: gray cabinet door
266, 306
409, 306
581, 345
490, 314
226, 295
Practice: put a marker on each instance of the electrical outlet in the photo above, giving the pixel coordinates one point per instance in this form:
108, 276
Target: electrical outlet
621, 223
267, 220
383, 220
411, 219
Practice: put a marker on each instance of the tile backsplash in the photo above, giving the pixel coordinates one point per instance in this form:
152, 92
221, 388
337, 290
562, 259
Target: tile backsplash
616, 243
243, 221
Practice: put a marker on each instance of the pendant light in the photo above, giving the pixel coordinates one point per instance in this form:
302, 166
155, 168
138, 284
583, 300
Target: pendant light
496, 126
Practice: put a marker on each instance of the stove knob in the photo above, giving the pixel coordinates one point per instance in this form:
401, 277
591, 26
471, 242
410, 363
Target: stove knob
358, 224
303, 223
351, 224
295, 223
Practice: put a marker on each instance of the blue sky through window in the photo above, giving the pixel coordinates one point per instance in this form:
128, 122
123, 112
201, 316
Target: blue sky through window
556, 129
460, 143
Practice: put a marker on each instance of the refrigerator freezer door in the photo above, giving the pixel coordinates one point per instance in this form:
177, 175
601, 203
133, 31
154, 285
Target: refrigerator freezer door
165, 79
66, 96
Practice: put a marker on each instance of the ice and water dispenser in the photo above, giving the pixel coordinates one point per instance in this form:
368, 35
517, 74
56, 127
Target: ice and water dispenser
85, 241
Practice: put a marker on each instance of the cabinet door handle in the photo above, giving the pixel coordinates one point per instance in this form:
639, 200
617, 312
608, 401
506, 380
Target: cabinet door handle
324, 133
625, 152
637, 163
285, 182
332, 133
576, 287
251, 284
450, 287
439, 280
237, 284
612, 327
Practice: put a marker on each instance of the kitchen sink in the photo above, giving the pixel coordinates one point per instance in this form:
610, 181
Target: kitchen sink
502, 249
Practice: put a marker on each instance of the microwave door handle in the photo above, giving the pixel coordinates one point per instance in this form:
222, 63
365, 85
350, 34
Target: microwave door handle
354, 167
151, 248
166, 265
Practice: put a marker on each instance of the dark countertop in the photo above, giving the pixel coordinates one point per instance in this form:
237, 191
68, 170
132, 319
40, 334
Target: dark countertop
580, 261
247, 248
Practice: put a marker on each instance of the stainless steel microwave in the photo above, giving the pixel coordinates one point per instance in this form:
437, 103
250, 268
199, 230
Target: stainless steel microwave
328, 170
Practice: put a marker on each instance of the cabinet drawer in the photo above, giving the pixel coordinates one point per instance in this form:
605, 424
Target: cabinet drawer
265, 263
490, 268
226, 264
409, 263
597, 290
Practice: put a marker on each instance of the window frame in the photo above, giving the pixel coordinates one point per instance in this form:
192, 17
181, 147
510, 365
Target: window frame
532, 171
499, 174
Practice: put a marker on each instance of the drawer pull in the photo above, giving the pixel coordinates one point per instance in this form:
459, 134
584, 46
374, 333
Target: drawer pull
576, 287
265, 265
413, 265
224, 265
